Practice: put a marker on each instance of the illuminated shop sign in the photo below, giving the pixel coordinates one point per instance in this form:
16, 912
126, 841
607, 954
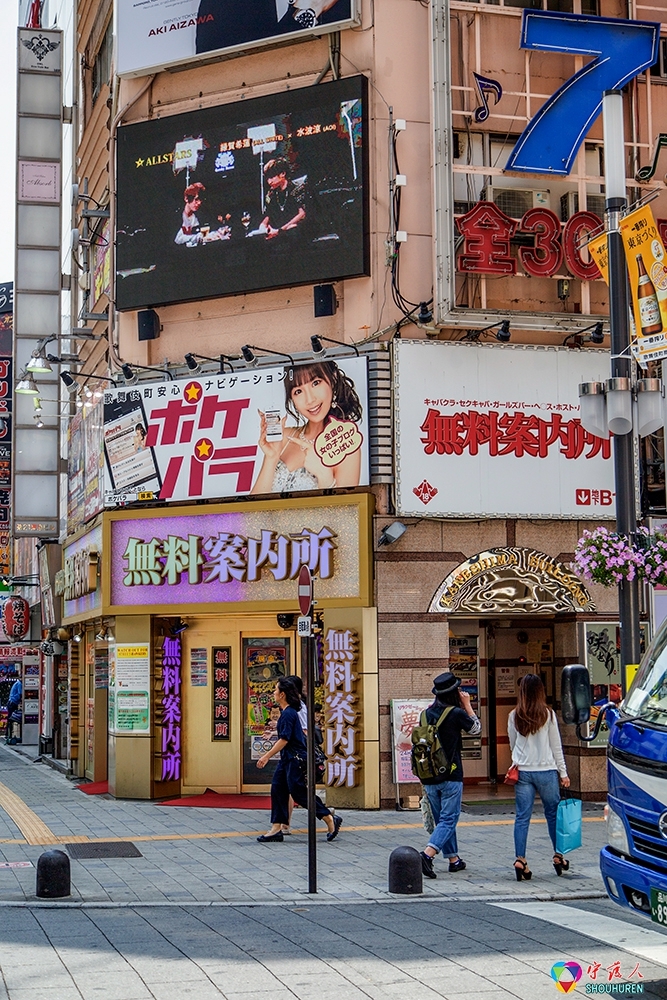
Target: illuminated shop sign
487, 232
254, 554
342, 707
171, 708
79, 575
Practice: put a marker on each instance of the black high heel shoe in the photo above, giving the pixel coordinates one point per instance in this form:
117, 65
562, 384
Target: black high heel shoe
561, 864
522, 871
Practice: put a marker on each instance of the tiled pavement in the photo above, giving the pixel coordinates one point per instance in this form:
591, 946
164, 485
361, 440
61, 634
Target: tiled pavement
195, 855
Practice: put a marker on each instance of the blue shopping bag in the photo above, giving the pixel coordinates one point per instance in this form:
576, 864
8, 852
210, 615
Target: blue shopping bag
568, 825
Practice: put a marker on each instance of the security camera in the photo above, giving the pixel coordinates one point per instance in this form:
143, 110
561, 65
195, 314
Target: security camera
391, 533
286, 621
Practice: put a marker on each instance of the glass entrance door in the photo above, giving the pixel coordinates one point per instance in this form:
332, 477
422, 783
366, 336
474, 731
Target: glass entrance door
265, 659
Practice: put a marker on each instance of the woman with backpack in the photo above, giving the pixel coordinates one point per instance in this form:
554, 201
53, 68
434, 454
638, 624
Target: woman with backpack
538, 753
447, 718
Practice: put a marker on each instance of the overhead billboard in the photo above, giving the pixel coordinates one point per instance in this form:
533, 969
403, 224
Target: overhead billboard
252, 195
494, 431
161, 33
259, 432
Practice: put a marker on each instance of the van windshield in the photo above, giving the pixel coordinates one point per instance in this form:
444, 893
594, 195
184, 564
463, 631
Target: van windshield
647, 698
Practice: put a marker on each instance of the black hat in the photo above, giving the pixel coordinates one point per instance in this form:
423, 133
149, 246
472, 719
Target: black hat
446, 682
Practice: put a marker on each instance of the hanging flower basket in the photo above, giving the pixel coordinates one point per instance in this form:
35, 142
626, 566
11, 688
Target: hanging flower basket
655, 561
605, 557
608, 558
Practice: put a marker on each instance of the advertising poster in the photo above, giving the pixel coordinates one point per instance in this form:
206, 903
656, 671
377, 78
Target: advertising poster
101, 265
264, 193
132, 686
75, 472
273, 430
152, 36
265, 660
485, 430
198, 667
93, 461
603, 660
405, 715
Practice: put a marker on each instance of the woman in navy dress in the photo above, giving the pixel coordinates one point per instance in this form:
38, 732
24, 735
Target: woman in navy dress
289, 778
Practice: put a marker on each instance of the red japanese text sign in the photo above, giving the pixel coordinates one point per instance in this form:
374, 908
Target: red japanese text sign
487, 232
259, 431
485, 430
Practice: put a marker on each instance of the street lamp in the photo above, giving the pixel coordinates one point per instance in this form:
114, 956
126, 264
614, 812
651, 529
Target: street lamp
615, 407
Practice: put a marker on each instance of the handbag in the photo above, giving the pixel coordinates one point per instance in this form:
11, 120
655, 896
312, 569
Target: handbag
512, 775
568, 825
320, 764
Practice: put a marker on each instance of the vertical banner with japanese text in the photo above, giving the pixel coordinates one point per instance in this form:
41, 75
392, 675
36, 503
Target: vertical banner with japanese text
342, 708
221, 657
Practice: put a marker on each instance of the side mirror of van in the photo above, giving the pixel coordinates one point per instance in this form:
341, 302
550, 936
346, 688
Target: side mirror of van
575, 694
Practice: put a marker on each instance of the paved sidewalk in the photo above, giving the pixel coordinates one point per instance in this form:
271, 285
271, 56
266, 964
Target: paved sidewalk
200, 856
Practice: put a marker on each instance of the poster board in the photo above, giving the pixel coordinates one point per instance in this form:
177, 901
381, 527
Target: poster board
404, 714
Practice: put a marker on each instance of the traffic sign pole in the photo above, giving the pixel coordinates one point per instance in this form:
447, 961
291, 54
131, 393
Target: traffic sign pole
308, 662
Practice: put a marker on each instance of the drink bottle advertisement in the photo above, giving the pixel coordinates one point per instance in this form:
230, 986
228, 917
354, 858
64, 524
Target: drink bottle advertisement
647, 270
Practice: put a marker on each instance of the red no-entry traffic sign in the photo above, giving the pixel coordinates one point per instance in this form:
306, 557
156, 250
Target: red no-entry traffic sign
305, 590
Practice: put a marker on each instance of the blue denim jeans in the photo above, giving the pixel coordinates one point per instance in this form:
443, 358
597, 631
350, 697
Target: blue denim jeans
445, 800
547, 785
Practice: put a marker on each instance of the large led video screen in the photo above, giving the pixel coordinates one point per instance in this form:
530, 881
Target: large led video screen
151, 35
258, 194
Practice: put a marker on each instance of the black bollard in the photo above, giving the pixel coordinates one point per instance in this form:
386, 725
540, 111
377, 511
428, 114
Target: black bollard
405, 871
53, 878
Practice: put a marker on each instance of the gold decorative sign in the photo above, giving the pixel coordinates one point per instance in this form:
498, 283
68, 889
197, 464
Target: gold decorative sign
511, 579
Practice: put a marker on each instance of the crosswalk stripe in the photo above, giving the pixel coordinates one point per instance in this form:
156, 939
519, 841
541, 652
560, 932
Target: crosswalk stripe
640, 941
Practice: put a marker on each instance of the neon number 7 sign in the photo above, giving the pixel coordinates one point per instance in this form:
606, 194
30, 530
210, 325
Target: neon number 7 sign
551, 140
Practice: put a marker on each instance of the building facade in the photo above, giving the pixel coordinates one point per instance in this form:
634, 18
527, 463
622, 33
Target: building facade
337, 174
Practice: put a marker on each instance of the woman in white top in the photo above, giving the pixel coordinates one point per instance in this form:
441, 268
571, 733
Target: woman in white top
538, 753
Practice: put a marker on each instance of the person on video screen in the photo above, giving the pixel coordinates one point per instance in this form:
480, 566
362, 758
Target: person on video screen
315, 394
223, 23
285, 202
190, 233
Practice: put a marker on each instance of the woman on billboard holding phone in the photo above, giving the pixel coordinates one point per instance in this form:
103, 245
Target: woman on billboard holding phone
323, 450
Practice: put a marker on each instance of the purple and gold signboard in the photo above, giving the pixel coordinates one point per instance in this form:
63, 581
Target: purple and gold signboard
169, 561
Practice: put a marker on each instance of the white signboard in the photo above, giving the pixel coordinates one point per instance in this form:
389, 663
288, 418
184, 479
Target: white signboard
154, 34
132, 687
253, 431
494, 431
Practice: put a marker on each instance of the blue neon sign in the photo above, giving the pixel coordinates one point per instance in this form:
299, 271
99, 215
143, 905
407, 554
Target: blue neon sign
551, 140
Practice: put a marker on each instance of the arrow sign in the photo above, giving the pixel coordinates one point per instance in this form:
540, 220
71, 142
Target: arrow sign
622, 49
305, 591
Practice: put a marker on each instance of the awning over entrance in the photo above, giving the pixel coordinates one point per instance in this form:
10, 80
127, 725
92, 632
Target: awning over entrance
512, 580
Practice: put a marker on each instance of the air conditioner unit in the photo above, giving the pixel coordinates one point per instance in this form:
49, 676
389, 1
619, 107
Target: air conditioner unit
569, 205
515, 202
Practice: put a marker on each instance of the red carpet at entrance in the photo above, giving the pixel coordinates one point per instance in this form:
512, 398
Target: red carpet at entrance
94, 787
214, 800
